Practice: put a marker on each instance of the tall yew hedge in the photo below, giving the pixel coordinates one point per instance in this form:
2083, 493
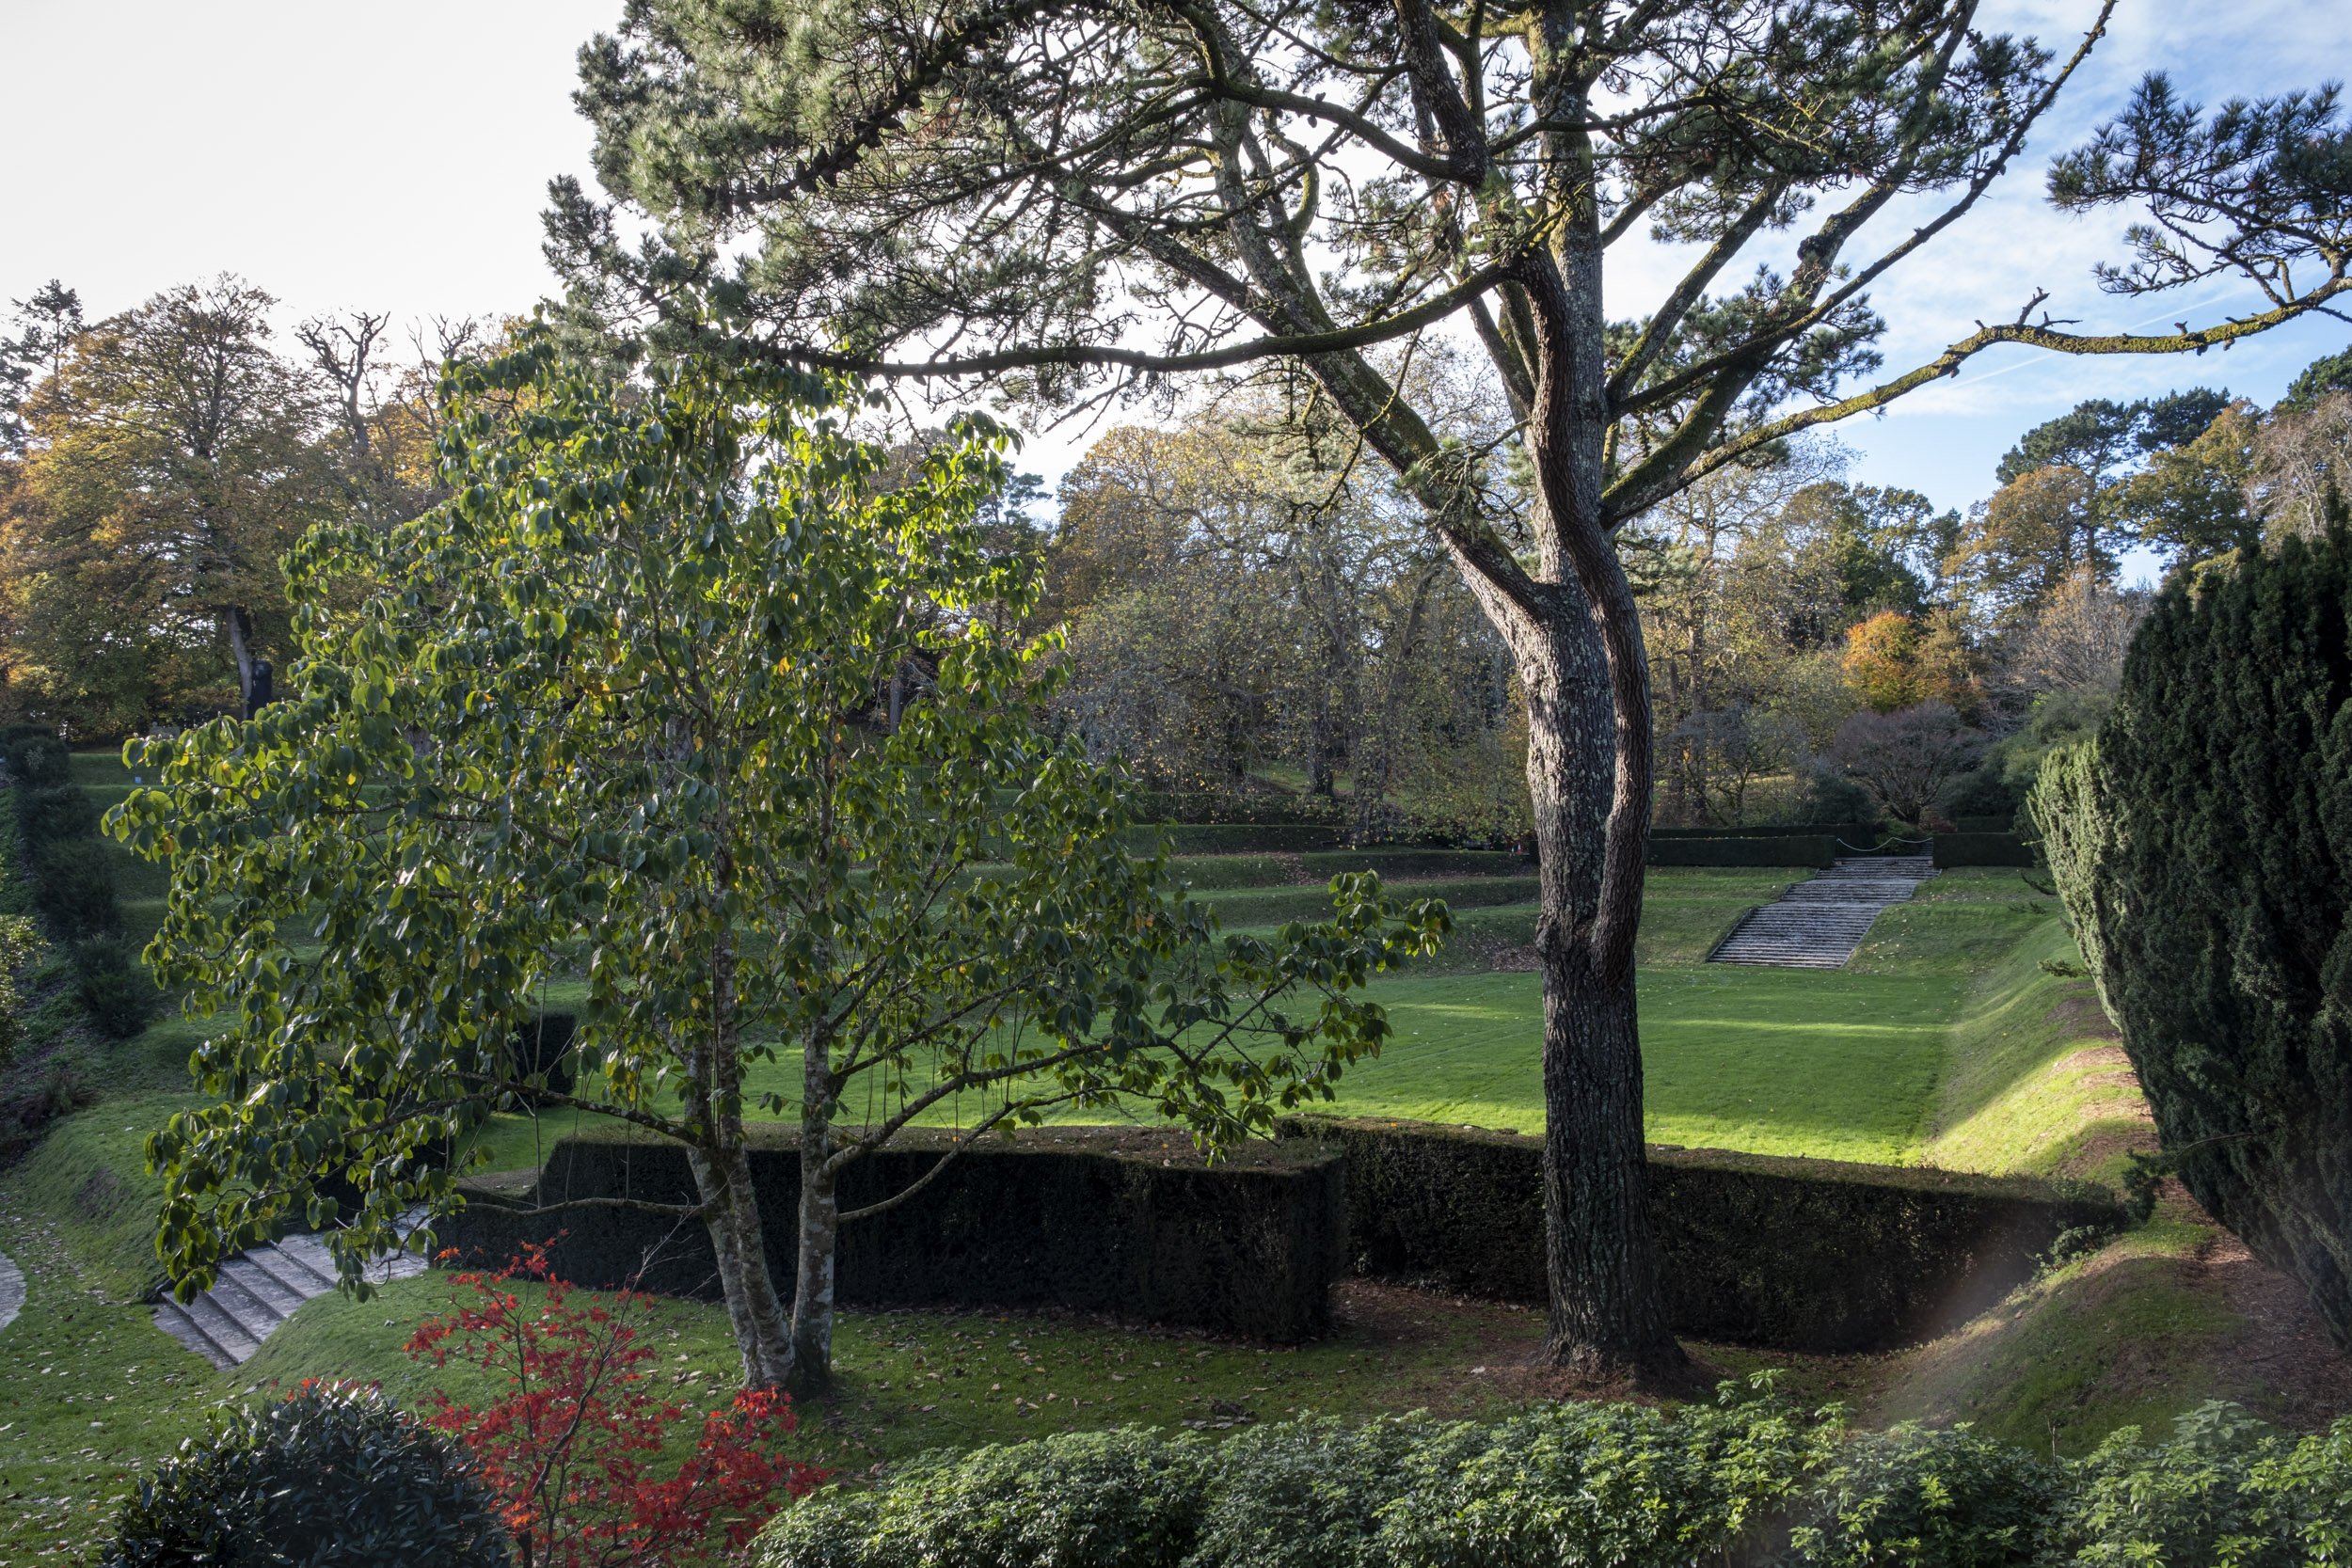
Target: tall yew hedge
2204, 849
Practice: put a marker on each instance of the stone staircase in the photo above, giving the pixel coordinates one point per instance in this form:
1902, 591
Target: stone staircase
259, 1290
1818, 924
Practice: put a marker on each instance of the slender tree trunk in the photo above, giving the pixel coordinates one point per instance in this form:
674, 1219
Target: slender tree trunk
812, 1291
1375, 766
240, 628
720, 1162
763, 1334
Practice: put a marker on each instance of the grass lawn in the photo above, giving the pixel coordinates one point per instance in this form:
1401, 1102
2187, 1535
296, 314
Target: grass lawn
1835, 1066
1843, 1065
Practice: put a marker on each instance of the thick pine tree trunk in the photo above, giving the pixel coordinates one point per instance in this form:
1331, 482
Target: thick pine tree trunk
1606, 1319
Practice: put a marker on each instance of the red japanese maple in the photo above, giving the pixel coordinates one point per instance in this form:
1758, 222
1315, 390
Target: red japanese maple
571, 1447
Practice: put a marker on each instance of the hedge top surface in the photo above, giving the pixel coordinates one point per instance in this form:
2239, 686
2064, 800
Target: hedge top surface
1924, 1178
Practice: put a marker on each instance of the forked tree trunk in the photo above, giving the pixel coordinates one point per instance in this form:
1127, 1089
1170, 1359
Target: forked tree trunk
763, 1334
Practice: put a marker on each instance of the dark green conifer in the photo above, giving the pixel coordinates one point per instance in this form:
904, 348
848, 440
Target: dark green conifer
2208, 859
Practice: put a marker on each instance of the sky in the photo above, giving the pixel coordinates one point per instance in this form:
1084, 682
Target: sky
397, 159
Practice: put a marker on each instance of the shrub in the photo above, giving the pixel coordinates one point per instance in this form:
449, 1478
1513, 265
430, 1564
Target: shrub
1604, 1484
2227, 1489
2201, 848
1826, 797
74, 887
1308, 1494
563, 1444
114, 988
1582, 1485
1124, 1498
45, 815
19, 942
1905, 759
1927, 1498
331, 1475
39, 762
1621, 1484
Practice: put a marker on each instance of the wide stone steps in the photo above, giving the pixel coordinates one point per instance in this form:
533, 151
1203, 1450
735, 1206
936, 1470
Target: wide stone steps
257, 1290
1818, 923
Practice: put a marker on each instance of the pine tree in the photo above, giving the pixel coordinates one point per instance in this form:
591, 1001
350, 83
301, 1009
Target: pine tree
1076, 206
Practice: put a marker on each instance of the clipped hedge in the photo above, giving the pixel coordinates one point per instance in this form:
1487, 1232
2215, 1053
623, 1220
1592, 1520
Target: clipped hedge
74, 887
45, 814
1958, 849
1236, 838
1852, 833
1581, 1485
1813, 849
1804, 1254
1390, 862
1123, 1222
70, 873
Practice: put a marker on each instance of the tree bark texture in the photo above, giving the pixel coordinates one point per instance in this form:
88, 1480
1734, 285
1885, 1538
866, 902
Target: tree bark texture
718, 1156
763, 1334
1606, 1322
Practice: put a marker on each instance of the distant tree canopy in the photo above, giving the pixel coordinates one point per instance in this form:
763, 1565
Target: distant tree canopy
1245, 598
155, 467
2205, 850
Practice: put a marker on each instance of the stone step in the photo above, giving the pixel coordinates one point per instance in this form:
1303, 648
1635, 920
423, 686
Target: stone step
1818, 923
257, 1290
213, 1333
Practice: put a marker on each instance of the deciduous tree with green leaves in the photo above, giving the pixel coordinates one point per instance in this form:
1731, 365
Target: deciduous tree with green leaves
1075, 203
612, 710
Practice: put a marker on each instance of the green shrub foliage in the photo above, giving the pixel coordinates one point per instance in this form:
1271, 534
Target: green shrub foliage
1581, 1485
2075, 834
74, 887
45, 815
2226, 1490
1568, 1484
333, 1475
1127, 1498
39, 762
114, 988
2208, 859
1924, 1496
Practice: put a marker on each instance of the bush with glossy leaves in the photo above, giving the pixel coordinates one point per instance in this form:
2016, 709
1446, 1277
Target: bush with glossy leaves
333, 1475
